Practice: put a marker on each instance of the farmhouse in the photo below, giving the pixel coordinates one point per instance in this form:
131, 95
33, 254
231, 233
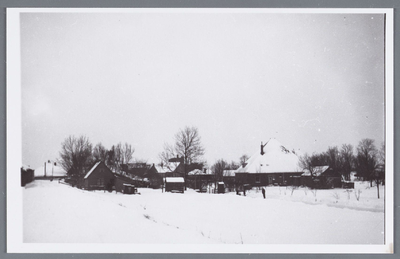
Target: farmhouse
99, 177
272, 164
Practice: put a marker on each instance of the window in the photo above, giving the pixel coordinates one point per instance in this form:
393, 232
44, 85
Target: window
257, 178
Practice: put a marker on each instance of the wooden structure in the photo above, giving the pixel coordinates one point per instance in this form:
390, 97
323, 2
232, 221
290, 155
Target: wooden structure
99, 177
174, 184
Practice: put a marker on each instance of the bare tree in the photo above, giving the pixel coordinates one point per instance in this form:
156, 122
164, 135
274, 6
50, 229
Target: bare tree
333, 158
75, 154
187, 146
243, 159
366, 159
100, 152
307, 162
381, 154
346, 160
232, 165
218, 170
127, 153
166, 155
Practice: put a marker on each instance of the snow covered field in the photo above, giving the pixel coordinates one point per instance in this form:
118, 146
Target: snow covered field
57, 213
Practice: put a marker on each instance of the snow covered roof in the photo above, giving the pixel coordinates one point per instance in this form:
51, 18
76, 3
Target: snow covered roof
166, 168
25, 167
229, 172
51, 170
174, 180
91, 170
318, 170
275, 159
200, 172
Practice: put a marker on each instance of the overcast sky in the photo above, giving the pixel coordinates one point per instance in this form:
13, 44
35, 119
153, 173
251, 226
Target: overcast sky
309, 80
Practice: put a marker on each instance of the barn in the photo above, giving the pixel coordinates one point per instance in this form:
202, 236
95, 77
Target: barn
273, 164
99, 177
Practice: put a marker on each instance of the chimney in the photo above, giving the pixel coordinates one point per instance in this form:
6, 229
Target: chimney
262, 149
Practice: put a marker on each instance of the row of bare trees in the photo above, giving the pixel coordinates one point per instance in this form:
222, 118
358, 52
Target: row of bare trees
367, 160
78, 154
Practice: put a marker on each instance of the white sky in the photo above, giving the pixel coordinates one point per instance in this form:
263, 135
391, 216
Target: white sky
309, 80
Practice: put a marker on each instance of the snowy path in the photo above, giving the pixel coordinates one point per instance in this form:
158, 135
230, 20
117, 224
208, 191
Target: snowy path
58, 213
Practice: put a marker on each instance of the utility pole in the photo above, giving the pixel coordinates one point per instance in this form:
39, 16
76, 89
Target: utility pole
45, 169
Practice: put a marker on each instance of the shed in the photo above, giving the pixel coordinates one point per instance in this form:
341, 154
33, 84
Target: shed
129, 188
120, 181
221, 187
174, 184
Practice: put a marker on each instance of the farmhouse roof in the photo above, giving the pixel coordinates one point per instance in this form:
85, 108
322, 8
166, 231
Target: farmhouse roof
91, 170
272, 158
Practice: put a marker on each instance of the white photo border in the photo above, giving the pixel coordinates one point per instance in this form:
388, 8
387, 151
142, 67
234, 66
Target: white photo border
15, 242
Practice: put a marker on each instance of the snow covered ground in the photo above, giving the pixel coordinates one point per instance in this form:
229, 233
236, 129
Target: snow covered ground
57, 213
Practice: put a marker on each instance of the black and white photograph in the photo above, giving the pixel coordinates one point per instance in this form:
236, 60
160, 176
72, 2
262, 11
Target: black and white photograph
200, 130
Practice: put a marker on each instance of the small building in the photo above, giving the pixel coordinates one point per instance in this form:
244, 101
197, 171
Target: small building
27, 175
121, 181
323, 177
199, 179
99, 177
174, 184
220, 187
129, 189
